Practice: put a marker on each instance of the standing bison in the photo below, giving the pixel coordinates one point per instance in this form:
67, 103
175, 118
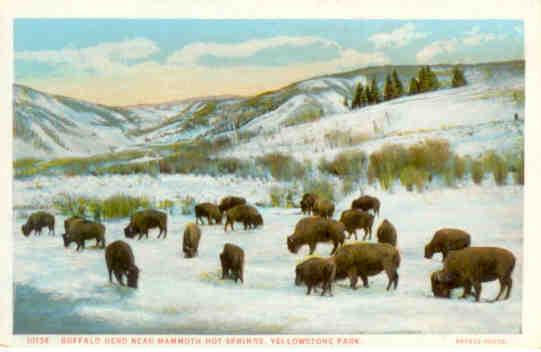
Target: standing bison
120, 261
366, 203
354, 219
244, 213
81, 230
232, 260
190, 240
469, 267
36, 221
313, 229
230, 202
316, 272
445, 240
386, 233
364, 259
144, 220
323, 208
209, 211
307, 203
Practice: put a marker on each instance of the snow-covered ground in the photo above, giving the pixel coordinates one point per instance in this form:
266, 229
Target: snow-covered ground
60, 290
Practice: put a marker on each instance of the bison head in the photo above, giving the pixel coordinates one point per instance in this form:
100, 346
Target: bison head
133, 276
442, 284
291, 245
67, 240
26, 229
218, 217
129, 231
189, 252
259, 220
429, 251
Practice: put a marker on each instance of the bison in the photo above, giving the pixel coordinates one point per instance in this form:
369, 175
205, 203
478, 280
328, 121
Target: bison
120, 261
315, 272
190, 241
445, 240
386, 233
366, 203
230, 202
471, 266
36, 221
363, 259
232, 260
244, 213
357, 219
81, 230
314, 229
144, 220
307, 203
209, 211
323, 208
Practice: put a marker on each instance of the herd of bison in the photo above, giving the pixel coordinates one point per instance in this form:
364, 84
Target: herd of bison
463, 266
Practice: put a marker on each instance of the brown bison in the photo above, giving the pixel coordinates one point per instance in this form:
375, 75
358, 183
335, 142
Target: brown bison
244, 213
307, 203
363, 259
36, 221
144, 220
471, 266
357, 219
445, 240
314, 229
366, 203
232, 260
323, 208
120, 261
68, 221
230, 202
209, 211
386, 233
316, 272
190, 241
81, 230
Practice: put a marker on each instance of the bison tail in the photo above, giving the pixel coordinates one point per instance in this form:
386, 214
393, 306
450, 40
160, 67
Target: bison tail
396, 259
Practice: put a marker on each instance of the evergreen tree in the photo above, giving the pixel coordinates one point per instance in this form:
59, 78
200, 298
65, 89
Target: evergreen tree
373, 95
433, 79
458, 77
388, 89
427, 80
356, 102
397, 85
414, 86
364, 97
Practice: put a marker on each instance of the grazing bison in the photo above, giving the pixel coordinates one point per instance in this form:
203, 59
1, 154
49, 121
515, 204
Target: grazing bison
209, 211
68, 221
230, 202
367, 259
445, 240
357, 219
36, 221
307, 203
314, 229
316, 272
366, 203
323, 208
244, 213
120, 261
232, 260
386, 233
144, 220
81, 230
471, 266
190, 241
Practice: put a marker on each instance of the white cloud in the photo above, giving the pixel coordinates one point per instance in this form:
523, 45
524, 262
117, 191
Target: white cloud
397, 38
109, 57
475, 37
431, 51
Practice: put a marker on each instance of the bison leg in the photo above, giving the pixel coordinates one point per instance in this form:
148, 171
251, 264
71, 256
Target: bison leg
509, 286
309, 289
352, 274
335, 247
365, 279
118, 277
208, 219
140, 235
312, 248
110, 275
477, 289
467, 289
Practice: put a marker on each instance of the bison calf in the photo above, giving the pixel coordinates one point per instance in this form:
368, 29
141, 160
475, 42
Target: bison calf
120, 261
190, 241
445, 240
36, 221
144, 220
387, 233
209, 211
314, 272
232, 260
357, 219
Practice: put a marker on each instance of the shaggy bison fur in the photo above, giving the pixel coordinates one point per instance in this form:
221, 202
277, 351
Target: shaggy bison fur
386, 233
469, 267
244, 213
190, 240
314, 229
307, 203
144, 220
232, 260
81, 230
209, 211
354, 219
365, 259
68, 221
323, 208
445, 240
36, 221
120, 261
230, 202
366, 203
316, 272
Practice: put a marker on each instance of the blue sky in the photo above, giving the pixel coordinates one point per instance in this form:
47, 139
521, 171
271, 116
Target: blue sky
137, 61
